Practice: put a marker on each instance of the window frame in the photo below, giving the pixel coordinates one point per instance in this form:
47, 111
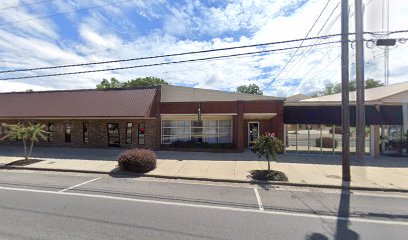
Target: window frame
51, 130
129, 137
68, 136
139, 135
204, 127
85, 134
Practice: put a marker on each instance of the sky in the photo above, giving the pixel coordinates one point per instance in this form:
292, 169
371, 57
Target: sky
41, 33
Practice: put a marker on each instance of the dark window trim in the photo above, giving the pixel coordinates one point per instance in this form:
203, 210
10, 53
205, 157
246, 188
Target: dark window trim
107, 132
129, 132
85, 139
68, 136
50, 132
144, 133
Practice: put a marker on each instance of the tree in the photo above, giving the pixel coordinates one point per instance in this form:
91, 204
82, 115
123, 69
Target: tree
28, 134
144, 82
105, 84
138, 82
250, 89
268, 146
333, 88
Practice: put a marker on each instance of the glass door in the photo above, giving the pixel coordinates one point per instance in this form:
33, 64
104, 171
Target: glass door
113, 135
253, 133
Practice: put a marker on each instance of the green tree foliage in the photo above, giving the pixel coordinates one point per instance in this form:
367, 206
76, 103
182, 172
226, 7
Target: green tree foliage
28, 134
268, 146
250, 89
106, 84
138, 82
333, 88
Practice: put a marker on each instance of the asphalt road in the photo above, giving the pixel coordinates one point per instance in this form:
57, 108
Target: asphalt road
36, 205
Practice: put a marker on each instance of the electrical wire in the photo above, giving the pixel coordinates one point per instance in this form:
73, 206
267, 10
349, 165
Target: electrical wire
169, 55
159, 64
290, 59
26, 4
67, 12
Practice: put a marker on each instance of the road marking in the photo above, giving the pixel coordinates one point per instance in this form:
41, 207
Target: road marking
177, 181
66, 189
258, 199
306, 215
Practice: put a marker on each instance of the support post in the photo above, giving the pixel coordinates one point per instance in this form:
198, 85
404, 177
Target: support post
345, 105
360, 109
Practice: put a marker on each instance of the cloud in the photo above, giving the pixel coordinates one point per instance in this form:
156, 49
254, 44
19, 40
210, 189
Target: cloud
149, 28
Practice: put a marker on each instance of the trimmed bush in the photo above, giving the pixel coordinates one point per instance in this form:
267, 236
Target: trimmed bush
327, 142
337, 130
137, 160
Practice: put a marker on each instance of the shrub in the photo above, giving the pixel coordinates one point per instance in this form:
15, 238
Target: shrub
337, 130
327, 142
137, 160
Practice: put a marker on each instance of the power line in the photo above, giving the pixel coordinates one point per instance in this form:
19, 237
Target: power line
26, 4
168, 55
185, 53
328, 29
301, 57
159, 64
290, 59
67, 12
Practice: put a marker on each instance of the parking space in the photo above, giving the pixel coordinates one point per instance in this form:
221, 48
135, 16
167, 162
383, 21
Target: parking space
40, 181
242, 197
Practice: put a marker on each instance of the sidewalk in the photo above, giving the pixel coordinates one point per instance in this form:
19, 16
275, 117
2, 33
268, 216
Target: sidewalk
387, 173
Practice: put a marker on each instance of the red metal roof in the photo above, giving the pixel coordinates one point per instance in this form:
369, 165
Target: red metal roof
78, 103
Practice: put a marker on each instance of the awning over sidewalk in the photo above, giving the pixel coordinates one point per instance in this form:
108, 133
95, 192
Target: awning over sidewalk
381, 115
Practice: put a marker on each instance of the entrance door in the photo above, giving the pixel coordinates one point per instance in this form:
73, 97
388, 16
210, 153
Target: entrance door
253, 133
113, 135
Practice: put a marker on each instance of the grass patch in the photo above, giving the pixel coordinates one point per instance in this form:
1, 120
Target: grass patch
266, 175
24, 162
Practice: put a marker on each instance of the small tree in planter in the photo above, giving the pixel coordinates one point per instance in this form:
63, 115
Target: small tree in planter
268, 146
28, 134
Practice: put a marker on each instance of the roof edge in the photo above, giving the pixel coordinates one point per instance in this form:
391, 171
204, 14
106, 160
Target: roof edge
85, 90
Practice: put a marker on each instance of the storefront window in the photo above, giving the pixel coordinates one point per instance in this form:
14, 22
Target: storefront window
51, 129
85, 131
129, 126
322, 139
141, 133
211, 131
68, 129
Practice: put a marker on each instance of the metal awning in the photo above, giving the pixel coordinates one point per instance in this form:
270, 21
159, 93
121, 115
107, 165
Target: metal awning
259, 116
375, 115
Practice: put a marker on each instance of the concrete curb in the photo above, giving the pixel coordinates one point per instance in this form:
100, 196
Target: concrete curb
258, 182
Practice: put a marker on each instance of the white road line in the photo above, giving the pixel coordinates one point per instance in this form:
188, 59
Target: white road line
306, 215
175, 181
258, 199
66, 189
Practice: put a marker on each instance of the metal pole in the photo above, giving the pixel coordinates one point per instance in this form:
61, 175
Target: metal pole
386, 28
360, 109
345, 106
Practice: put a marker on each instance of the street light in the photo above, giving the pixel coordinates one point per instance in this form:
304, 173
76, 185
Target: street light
386, 42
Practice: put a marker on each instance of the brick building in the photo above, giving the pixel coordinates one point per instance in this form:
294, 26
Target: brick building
154, 117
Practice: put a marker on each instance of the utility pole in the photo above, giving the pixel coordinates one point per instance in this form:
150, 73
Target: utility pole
386, 28
345, 106
360, 109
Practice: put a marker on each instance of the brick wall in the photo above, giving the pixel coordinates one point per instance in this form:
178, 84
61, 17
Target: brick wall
98, 134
